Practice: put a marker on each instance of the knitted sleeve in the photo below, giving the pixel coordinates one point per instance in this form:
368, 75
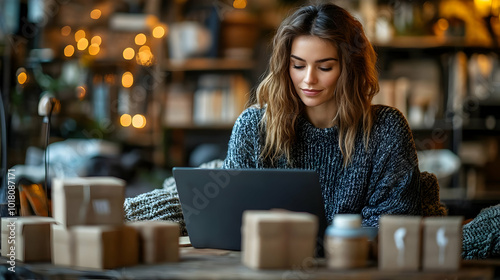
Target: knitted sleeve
160, 204
394, 186
243, 148
481, 236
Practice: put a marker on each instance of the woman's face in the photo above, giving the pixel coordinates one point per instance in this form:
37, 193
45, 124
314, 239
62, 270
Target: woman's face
314, 70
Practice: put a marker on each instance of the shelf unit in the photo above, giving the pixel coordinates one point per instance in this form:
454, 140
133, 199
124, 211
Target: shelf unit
454, 126
185, 137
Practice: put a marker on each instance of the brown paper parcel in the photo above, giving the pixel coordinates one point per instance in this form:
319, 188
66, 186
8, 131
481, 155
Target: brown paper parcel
158, 241
27, 238
104, 247
275, 239
88, 201
399, 242
442, 240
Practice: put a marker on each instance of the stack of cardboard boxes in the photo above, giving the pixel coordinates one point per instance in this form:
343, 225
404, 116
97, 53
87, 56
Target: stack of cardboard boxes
88, 229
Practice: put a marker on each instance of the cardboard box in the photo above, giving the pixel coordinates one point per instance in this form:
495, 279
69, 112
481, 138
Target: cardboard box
399, 243
101, 247
96, 246
27, 238
442, 241
62, 245
88, 201
278, 239
158, 241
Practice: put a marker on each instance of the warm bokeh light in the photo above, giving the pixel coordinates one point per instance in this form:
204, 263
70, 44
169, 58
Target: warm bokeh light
151, 20
483, 7
158, 31
94, 49
65, 30
79, 35
82, 44
127, 79
443, 24
125, 120
139, 121
128, 53
144, 56
140, 39
239, 4
95, 14
22, 77
69, 50
144, 49
96, 40
81, 92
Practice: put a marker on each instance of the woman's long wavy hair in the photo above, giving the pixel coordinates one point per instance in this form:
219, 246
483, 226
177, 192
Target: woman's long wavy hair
356, 86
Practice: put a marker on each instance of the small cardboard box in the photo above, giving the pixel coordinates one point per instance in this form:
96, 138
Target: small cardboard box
399, 243
88, 201
97, 246
101, 247
278, 239
442, 240
27, 238
62, 245
158, 241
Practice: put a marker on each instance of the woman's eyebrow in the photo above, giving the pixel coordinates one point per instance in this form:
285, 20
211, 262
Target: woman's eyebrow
317, 61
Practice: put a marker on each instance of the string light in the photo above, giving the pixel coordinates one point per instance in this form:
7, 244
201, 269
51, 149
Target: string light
125, 120
140, 39
79, 35
139, 121
82, 44
69, 50
127, 79
96, 40
128, 53
144, 56
158, 31
22, 77
95, 14
239, 4
65, 30
94, 49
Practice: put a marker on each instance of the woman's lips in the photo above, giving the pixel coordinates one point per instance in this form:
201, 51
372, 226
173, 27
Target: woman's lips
311, 92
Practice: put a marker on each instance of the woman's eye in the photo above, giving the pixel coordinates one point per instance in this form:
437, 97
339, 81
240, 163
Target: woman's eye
326, 69
298, 66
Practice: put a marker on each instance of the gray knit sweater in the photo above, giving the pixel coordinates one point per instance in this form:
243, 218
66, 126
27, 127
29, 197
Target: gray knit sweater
383, 179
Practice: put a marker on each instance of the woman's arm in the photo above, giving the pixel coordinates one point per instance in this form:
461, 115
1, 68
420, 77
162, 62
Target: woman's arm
394, 186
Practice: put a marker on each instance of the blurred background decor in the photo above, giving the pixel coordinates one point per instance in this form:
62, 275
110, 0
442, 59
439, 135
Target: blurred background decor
147, 85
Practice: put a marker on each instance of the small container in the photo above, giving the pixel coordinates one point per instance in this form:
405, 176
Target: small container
346, 242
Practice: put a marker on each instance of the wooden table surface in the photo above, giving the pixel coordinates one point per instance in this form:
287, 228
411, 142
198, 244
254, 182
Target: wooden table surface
202, 264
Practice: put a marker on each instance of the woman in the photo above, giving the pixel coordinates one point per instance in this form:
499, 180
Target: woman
314, 112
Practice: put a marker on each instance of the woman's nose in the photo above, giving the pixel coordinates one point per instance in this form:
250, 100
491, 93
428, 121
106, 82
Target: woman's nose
311, 76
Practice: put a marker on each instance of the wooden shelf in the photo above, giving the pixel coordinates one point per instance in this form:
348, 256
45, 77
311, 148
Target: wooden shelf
222, 126
208, 64
426, 42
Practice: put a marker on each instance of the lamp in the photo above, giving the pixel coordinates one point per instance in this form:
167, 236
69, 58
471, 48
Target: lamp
47, 106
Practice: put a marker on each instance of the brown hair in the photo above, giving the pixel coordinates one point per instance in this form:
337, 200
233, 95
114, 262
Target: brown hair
356, 86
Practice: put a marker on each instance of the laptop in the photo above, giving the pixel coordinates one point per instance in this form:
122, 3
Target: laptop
213, 200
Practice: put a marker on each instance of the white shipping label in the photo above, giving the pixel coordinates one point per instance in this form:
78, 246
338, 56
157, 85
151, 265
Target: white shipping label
101, 206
